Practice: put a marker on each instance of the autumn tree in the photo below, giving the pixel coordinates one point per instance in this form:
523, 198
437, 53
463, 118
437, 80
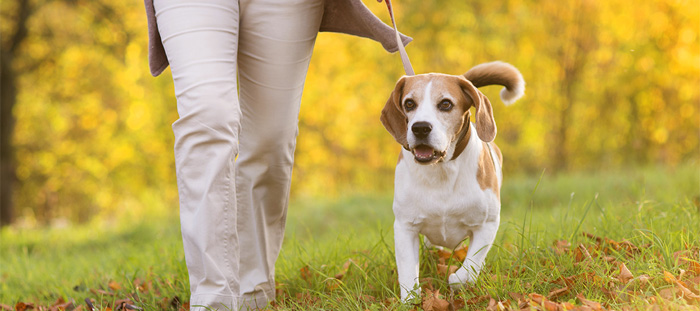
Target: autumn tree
16, 14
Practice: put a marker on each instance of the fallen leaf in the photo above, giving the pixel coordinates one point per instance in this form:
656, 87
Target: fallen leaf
591, 304
625, 275
516, 296
445, 270
21, 306
668, 293
5, 307
668, 277
60, 305
492, 305
461, 253
305, 274
442, 254
695, 282
142, 286
476, 300
433, 302
101, 292
557, 292
550, 306
426, 283
629, 247
591, 236
539, 299
346, 267
582, 253
458, 304
114, 286
561, 247
307, 298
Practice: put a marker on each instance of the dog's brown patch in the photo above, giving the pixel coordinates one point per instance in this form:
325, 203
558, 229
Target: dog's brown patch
400, 157
486, 173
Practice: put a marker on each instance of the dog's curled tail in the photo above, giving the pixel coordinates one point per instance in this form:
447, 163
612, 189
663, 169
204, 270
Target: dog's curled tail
500, 73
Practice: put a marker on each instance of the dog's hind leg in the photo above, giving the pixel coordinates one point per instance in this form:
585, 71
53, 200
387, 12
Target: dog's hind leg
479, 246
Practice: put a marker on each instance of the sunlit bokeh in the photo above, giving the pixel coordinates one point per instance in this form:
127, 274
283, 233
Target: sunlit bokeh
609, 84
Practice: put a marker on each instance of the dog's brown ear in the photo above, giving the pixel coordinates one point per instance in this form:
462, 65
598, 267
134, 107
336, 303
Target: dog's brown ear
393, 118
485, 123
463, 135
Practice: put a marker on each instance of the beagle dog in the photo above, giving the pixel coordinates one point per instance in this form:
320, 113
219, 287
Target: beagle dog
448, 177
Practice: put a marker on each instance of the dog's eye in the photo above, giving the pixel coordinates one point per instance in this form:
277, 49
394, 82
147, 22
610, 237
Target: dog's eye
445, 105
409, 105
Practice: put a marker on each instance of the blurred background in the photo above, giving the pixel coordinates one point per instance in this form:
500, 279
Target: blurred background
86, 130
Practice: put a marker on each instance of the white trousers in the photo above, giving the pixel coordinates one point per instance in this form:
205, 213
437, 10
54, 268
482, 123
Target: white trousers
234, 147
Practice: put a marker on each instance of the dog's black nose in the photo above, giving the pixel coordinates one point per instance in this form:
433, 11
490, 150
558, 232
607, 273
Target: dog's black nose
421, 129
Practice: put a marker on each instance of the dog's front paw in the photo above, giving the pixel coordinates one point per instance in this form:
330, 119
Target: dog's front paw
455, 282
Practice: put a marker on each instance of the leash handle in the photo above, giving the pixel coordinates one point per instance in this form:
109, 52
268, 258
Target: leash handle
404, 56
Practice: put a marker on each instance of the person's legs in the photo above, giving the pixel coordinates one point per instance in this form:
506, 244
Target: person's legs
200, 39
276, 43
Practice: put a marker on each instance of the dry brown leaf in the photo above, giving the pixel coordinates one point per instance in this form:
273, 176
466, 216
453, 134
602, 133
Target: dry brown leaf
305, 273
591, 236
426, 283
539, 299
477, 299
492, 305
566, 305
60, 305
114, 286
643, 279
21, 306
142, 286
668, 293
561, 247
591, 304
346, 267
516, 296
625, 275
445, 270
694, 283
557, 292
685, 257
629, 247
433, 302
550, 306
461, 253
442, 254
307, 298
668, 277
582, 253
458, 304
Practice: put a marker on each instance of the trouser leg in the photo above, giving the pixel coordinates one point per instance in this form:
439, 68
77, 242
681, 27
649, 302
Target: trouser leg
200, 39
276, 42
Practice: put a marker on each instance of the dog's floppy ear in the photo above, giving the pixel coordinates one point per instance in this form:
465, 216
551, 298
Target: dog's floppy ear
485, 124
393, 118
463, 135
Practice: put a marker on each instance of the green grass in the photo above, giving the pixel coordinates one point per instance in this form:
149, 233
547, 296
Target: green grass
654, 208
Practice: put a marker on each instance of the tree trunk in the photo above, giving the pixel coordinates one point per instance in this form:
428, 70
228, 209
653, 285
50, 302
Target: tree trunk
8, 97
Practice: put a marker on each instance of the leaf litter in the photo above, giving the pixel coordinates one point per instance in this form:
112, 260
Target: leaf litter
620, 286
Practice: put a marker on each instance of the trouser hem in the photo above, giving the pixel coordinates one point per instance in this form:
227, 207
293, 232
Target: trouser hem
252, 301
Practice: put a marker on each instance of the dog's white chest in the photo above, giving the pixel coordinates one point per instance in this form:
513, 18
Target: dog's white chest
442, 205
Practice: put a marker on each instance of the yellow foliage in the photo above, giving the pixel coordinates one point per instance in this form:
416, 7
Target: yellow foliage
608, 83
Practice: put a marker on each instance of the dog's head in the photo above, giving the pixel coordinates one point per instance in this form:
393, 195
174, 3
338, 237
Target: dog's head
427, 114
